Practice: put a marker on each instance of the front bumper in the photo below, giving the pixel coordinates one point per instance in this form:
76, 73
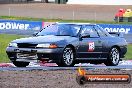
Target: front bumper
40, 54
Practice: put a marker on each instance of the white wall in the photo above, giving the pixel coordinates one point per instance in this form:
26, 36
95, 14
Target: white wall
101, 2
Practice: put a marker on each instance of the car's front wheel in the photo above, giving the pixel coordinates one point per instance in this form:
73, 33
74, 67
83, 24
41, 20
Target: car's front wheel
20, 64
67, 58
113, 58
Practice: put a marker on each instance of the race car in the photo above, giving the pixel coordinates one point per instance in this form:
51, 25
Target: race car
67, 44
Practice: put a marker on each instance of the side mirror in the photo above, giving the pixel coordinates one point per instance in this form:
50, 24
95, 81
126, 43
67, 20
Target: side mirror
35, 33
85, 35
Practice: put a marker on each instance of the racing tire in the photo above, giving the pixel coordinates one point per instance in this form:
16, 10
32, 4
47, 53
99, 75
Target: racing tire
113, 58
67, 58
20, 64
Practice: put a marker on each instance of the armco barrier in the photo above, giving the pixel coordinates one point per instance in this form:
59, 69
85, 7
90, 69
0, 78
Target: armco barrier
20, 25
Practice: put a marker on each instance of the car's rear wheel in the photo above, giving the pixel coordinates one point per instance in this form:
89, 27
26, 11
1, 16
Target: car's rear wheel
20, 64
113, 58
67, 58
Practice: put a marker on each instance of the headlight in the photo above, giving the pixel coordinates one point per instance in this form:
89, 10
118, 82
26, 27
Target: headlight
43, 45
12, 44
46, 46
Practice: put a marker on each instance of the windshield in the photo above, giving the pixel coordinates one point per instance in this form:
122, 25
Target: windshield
60, 30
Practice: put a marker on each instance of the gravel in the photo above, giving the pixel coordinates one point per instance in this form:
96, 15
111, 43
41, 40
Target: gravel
54, 79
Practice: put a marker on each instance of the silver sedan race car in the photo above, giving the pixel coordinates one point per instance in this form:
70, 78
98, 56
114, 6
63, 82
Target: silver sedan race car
67, 44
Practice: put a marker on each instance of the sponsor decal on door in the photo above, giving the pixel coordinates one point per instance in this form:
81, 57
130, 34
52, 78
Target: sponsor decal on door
91, 46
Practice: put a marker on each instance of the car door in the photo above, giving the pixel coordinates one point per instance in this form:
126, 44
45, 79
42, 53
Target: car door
89, 47
104, 38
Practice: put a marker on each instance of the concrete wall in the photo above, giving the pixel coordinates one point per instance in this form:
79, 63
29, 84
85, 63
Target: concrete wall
101, 2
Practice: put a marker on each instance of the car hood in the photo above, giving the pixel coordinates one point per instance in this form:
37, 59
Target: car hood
43, 39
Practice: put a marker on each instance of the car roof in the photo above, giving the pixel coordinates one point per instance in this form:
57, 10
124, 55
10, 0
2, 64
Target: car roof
77, 23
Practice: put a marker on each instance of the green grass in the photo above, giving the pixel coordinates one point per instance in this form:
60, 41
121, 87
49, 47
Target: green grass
4, 41
6, 38
129, 52
59, 20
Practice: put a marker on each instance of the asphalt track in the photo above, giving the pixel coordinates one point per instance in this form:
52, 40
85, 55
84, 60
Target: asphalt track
127, 65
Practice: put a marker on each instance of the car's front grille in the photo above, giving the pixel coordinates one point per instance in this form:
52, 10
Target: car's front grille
26, 45
27, 56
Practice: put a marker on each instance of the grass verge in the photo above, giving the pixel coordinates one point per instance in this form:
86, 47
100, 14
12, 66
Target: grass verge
60, 20
129, 52
5, 39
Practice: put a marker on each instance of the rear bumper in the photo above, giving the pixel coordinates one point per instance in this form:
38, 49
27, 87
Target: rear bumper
42, 54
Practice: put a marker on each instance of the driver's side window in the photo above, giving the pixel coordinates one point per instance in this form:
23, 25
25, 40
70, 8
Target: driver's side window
89, 30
